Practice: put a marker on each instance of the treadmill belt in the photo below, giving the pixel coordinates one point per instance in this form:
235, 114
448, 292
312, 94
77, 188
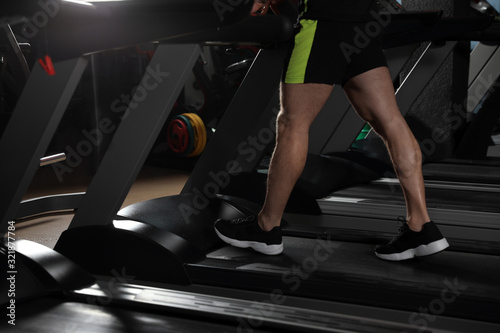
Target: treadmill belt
436, 197
485, 174
350, 272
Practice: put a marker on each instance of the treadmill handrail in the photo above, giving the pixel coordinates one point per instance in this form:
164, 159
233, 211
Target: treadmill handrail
72, 31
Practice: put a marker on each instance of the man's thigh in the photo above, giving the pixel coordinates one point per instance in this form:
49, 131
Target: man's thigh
301, 102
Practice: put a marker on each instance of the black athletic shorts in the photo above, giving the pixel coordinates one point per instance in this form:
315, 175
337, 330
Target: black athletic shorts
333, 52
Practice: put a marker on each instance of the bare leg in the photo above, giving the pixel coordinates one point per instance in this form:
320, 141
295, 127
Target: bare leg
300, 104
372, 95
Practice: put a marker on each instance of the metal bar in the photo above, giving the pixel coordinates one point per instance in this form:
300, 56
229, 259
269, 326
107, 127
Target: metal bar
483, 82
18, 63
478, 58
31, 128
52, 159
146, 114
49, 204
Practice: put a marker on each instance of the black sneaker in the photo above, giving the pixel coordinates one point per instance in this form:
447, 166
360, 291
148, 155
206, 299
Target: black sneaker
408, 243
246, 232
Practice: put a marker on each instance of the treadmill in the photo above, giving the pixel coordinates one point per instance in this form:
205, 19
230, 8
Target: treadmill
352, 234
348, 187
160, 262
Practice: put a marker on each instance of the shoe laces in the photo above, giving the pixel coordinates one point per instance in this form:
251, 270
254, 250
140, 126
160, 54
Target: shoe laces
402, 226
245, 219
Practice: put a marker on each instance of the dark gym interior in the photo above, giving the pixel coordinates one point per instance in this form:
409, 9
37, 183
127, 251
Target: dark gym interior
128, 127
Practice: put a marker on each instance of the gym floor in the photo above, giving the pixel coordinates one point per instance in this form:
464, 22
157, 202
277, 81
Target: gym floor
152, 182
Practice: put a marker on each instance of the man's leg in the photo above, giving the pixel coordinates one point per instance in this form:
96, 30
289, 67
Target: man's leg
300, 104
372, 95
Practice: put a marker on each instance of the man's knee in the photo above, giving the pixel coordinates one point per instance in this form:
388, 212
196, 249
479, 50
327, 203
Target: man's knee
283, 118
291, 123
286, 120
389, 128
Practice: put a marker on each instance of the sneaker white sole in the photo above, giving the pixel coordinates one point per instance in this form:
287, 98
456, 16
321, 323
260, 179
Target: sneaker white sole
259, 247
420, 251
